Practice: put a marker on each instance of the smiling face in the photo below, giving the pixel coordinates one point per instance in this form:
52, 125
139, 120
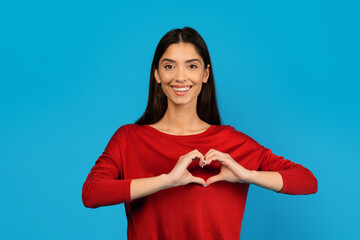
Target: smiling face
181, 73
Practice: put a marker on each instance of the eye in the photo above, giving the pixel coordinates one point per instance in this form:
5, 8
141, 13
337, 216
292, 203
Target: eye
168, 67
193, 66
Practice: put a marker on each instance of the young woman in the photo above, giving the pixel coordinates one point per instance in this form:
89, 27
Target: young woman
149, 166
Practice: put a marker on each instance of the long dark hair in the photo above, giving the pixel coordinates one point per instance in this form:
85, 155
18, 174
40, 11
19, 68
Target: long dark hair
206, 106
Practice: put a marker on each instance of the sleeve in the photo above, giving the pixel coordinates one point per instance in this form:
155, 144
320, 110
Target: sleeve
104, 185
297, 180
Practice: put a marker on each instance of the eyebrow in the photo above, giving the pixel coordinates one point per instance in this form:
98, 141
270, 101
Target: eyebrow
171, 60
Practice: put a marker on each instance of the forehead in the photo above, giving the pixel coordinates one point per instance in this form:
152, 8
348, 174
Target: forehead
181, 52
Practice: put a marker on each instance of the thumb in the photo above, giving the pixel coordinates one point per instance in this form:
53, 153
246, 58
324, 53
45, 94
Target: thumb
198, 180
213, 179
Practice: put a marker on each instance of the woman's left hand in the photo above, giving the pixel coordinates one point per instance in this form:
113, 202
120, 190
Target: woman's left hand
230, 171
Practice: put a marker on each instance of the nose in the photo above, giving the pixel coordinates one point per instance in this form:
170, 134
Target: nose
180, 75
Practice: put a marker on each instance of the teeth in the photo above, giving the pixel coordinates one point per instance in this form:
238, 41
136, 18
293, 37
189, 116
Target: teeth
181, 89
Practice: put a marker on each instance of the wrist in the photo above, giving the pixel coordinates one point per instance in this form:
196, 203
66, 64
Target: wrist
250, 176
167, 180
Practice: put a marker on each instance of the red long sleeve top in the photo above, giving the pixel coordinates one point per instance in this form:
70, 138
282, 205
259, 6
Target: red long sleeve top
190, 211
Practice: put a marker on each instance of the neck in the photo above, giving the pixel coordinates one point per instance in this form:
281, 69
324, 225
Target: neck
181, 117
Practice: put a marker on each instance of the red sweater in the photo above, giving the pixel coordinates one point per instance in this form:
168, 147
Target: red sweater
191, 211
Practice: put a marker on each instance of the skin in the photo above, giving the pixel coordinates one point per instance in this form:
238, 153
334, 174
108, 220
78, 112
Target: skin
181, 118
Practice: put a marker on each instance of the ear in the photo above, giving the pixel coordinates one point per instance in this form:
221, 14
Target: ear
156, 75
207, 74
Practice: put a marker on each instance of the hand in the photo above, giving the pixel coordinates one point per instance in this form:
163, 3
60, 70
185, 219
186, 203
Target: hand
230, 171
179, 175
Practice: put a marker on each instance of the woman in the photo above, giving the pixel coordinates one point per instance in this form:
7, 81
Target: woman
149, 165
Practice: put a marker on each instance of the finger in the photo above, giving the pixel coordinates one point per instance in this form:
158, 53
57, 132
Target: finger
209, 157
202, 162
213, 152
213, 179
198, 180
213, 157
184, 161
196, 151
216, 152
220, 158
209, 152
197, 156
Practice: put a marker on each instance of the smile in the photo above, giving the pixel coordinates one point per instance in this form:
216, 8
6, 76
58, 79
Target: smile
181, 91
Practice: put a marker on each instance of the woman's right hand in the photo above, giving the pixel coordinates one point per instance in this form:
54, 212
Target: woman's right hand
179, 175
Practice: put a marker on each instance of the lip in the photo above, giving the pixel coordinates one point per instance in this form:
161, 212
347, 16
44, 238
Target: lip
181, 93
180, 86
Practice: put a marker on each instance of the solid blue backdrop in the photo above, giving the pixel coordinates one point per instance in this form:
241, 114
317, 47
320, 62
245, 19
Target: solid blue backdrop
72, 72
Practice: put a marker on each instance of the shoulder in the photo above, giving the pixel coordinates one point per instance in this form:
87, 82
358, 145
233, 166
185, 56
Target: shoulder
124, 133
237, 135
127, 129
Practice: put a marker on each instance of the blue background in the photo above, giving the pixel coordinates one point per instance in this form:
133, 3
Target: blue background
72, 72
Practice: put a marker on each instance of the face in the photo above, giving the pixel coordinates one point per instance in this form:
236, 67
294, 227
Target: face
181, 73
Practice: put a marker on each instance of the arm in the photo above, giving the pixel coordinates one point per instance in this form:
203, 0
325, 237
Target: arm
103, 186
99, 192
232, 171
275, 173
178, 176
295, 179
269, 180
142, 187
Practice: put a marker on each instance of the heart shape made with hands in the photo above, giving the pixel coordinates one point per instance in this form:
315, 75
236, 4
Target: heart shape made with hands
217, 166
205, 170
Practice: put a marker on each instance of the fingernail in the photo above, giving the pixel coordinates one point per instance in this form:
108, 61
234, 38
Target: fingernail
204, 185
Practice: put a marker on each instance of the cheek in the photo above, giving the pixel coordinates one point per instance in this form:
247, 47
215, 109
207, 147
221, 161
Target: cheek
165, 77
165, 88
198, 90
199, 75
